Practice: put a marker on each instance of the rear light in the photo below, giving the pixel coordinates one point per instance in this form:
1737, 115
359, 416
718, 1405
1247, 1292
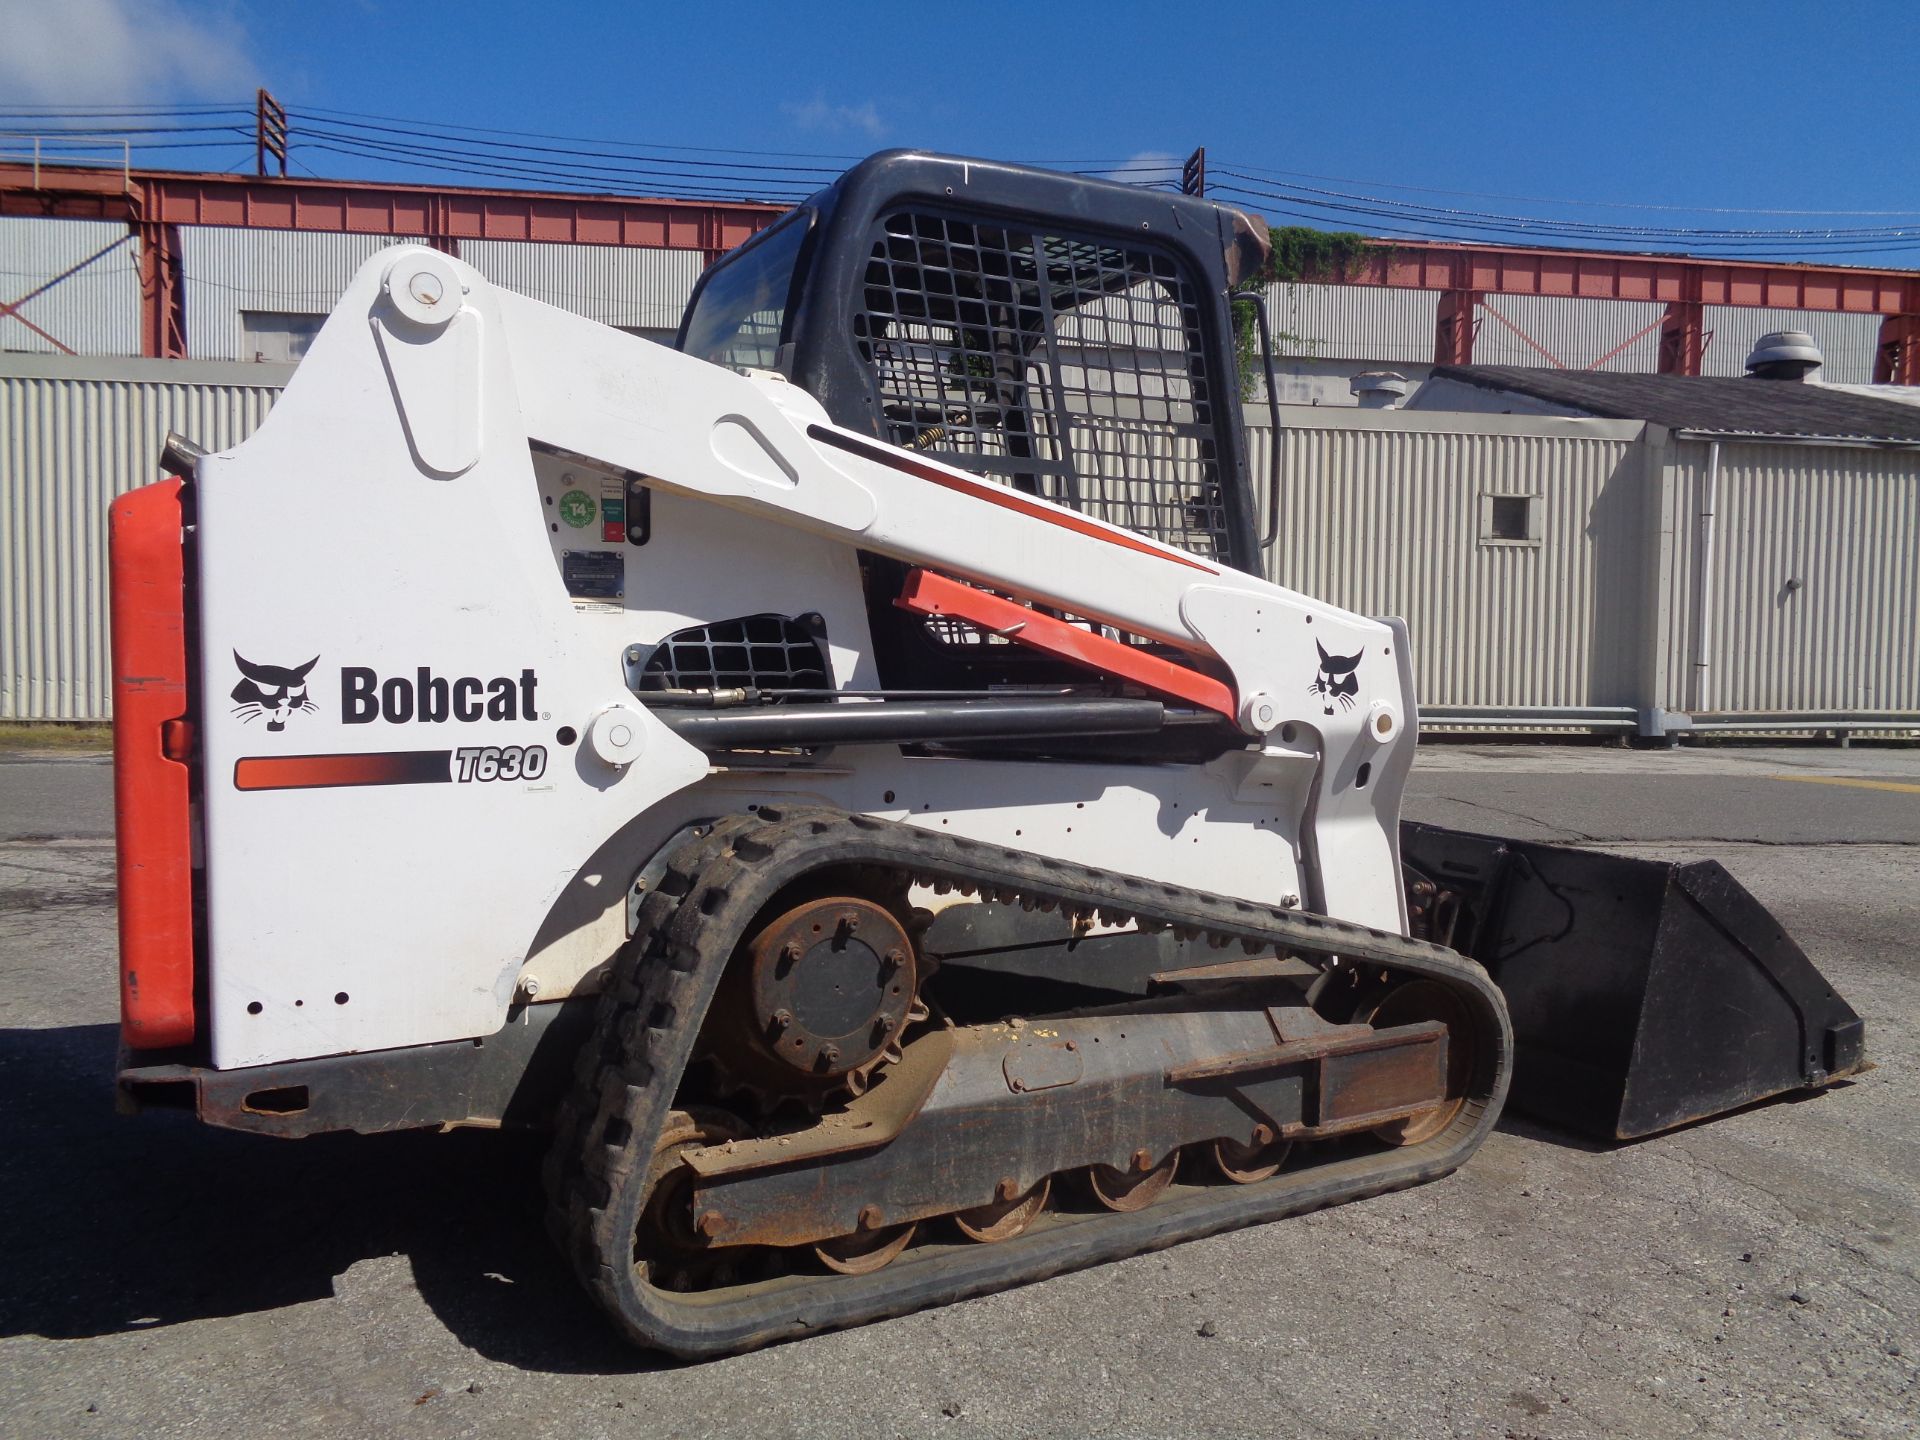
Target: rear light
151, 740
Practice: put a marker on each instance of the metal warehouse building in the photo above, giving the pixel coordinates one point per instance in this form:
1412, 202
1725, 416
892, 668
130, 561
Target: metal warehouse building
1652, 572
259, 294
1579, 544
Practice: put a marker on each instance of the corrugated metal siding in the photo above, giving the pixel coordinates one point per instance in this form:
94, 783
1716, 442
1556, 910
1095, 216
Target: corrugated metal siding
228, 271
93, 311
1352, 322
1387, 522
68, 446
1847, 341
623, 286
1846, 524
1380, 514
1577, 334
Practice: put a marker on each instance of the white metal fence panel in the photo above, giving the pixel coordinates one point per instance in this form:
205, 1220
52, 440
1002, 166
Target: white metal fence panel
87, 277
1392, 517
1813, 597
1539, 330
1353, 322
1543, 599
1849, 342
70, 441
233, 273
623, 286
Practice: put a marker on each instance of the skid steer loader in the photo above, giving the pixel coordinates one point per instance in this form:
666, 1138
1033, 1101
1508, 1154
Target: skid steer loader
847, 778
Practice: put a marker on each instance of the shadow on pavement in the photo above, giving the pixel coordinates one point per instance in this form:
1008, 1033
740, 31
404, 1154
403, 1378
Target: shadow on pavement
116, 1223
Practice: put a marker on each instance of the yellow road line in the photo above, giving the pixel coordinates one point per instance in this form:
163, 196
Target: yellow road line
1850, 783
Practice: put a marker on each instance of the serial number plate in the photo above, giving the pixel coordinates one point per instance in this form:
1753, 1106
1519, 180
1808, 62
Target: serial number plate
594, 574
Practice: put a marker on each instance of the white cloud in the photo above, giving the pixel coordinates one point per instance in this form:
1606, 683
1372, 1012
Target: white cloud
820, 115
113, 52
1150, 167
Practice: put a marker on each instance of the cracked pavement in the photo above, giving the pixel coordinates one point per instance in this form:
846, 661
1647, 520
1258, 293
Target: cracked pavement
1756, 1275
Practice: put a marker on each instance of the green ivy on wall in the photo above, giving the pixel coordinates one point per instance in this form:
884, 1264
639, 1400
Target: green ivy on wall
1298, 254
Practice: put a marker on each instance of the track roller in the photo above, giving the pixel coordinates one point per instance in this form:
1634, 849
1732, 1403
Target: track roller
1252, 1161
866, 1250
1007, 1216
1135, 1189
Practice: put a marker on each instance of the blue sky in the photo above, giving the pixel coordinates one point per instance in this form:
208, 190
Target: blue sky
1763, 106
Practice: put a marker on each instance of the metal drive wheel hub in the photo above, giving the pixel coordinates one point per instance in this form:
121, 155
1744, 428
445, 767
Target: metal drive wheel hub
831, 984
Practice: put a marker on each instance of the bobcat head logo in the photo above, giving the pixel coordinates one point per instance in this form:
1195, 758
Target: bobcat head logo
270, 690
1338, 680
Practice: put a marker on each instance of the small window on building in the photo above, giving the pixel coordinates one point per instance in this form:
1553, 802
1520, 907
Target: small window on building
277, 336
1509, 519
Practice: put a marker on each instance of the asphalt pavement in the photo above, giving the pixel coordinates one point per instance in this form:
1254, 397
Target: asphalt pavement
1756, 1275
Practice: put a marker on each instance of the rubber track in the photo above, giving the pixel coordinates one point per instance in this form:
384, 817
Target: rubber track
663, 981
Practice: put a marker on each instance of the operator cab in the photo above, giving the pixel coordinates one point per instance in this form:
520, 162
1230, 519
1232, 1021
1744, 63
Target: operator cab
1069, 338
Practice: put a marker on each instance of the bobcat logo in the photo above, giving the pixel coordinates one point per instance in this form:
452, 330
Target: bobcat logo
270, 690
1339, 679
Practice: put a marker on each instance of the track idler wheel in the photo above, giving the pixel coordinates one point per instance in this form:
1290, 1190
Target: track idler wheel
1407, 1004
1007, 1215
1244, 1163
1134, 1189
668, 1251
868, 1249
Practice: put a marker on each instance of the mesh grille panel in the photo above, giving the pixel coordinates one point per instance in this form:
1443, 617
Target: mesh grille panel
771, 652
1072, 369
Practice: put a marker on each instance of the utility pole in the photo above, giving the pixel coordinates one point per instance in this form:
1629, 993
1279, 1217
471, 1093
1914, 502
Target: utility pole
1193, 174
269, 132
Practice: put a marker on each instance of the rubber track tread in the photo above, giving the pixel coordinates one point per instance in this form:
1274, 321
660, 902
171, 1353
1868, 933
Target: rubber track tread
650, 1012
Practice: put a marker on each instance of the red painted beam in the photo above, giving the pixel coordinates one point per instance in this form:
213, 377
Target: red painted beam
354, 207
1453, 328
1897, 361
158, 199
1600, 275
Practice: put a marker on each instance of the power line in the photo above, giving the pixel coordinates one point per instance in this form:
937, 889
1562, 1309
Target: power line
1399, 223
1541, 200
766, 177
430, 133
1313, 195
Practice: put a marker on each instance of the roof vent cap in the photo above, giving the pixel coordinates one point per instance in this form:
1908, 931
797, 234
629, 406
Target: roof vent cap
1378, 389
1784, 355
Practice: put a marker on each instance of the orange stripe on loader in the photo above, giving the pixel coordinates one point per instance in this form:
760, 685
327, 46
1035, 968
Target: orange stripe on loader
928, 594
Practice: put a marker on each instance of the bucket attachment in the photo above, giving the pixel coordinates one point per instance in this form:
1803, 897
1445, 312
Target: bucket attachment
1644, 994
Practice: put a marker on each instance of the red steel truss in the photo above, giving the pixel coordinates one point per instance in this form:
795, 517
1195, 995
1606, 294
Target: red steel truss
1465, 273
158, 202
